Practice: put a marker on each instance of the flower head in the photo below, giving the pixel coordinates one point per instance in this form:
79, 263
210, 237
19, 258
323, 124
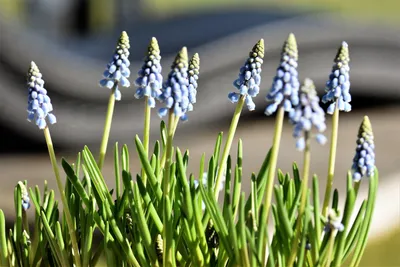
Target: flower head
248, 82
39, 103
150, 78
193, 75
333, 222
364, 159
175, 92
24, 197
117, 71
307, 114
338, 86
285, 86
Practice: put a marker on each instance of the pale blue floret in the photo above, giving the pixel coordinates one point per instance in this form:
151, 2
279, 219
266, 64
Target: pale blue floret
285, 86
175, 91
39, 103
307, 114
117, 71
193, 76
338, 86
25, 200
333, 222
150, 79
364, 159
249, 80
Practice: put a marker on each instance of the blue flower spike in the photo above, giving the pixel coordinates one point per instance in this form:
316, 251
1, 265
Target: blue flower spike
285, 86
26, 202
175, 92
117, 71
193, 75
248, 82
333, 222
39, 103
338, 86
150, 80
364, 159
306, 114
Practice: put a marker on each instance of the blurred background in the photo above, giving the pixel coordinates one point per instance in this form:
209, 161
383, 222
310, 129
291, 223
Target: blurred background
71, 42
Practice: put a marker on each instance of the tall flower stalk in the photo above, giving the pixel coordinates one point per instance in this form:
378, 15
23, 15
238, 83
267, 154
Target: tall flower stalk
248, 84
150, 84
39, 109
283, 95
337, 89
304, 116
115, 75
175, 95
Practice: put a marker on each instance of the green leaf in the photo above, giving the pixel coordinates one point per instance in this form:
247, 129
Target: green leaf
217, 147
142, 224
366, 223
218, 219
347, 213
125, 158
117, 171
155, 186
242, 234
75, 181
3, 240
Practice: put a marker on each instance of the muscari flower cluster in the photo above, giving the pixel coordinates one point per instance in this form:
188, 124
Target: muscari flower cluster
117, 71
285, 87
175, 92
333, 222
193, 75
25, 197
306, 114
248, 82
39, 103
364, 159
338, 85
150, 79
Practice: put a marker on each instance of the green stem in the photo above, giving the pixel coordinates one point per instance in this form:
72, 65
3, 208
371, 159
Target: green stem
146, 133
167, 230
107, 128
303, 201
228, 144
330, 248
332, 157
68, 216
272, 169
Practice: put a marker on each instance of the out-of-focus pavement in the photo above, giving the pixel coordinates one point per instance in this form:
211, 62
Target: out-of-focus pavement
257, 138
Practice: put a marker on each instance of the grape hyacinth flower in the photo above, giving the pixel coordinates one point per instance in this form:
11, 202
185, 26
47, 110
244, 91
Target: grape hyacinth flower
248, 82
39, 103
364, 159
193, 75
338, 85
117, 71
307, 114
26, 202
175, 92
285, 86
333, 222
150, 79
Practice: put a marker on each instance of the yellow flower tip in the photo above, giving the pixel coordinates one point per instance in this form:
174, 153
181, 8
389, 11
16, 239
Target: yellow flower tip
153, 46
258, 49
181, 60
343, 54
290, 46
